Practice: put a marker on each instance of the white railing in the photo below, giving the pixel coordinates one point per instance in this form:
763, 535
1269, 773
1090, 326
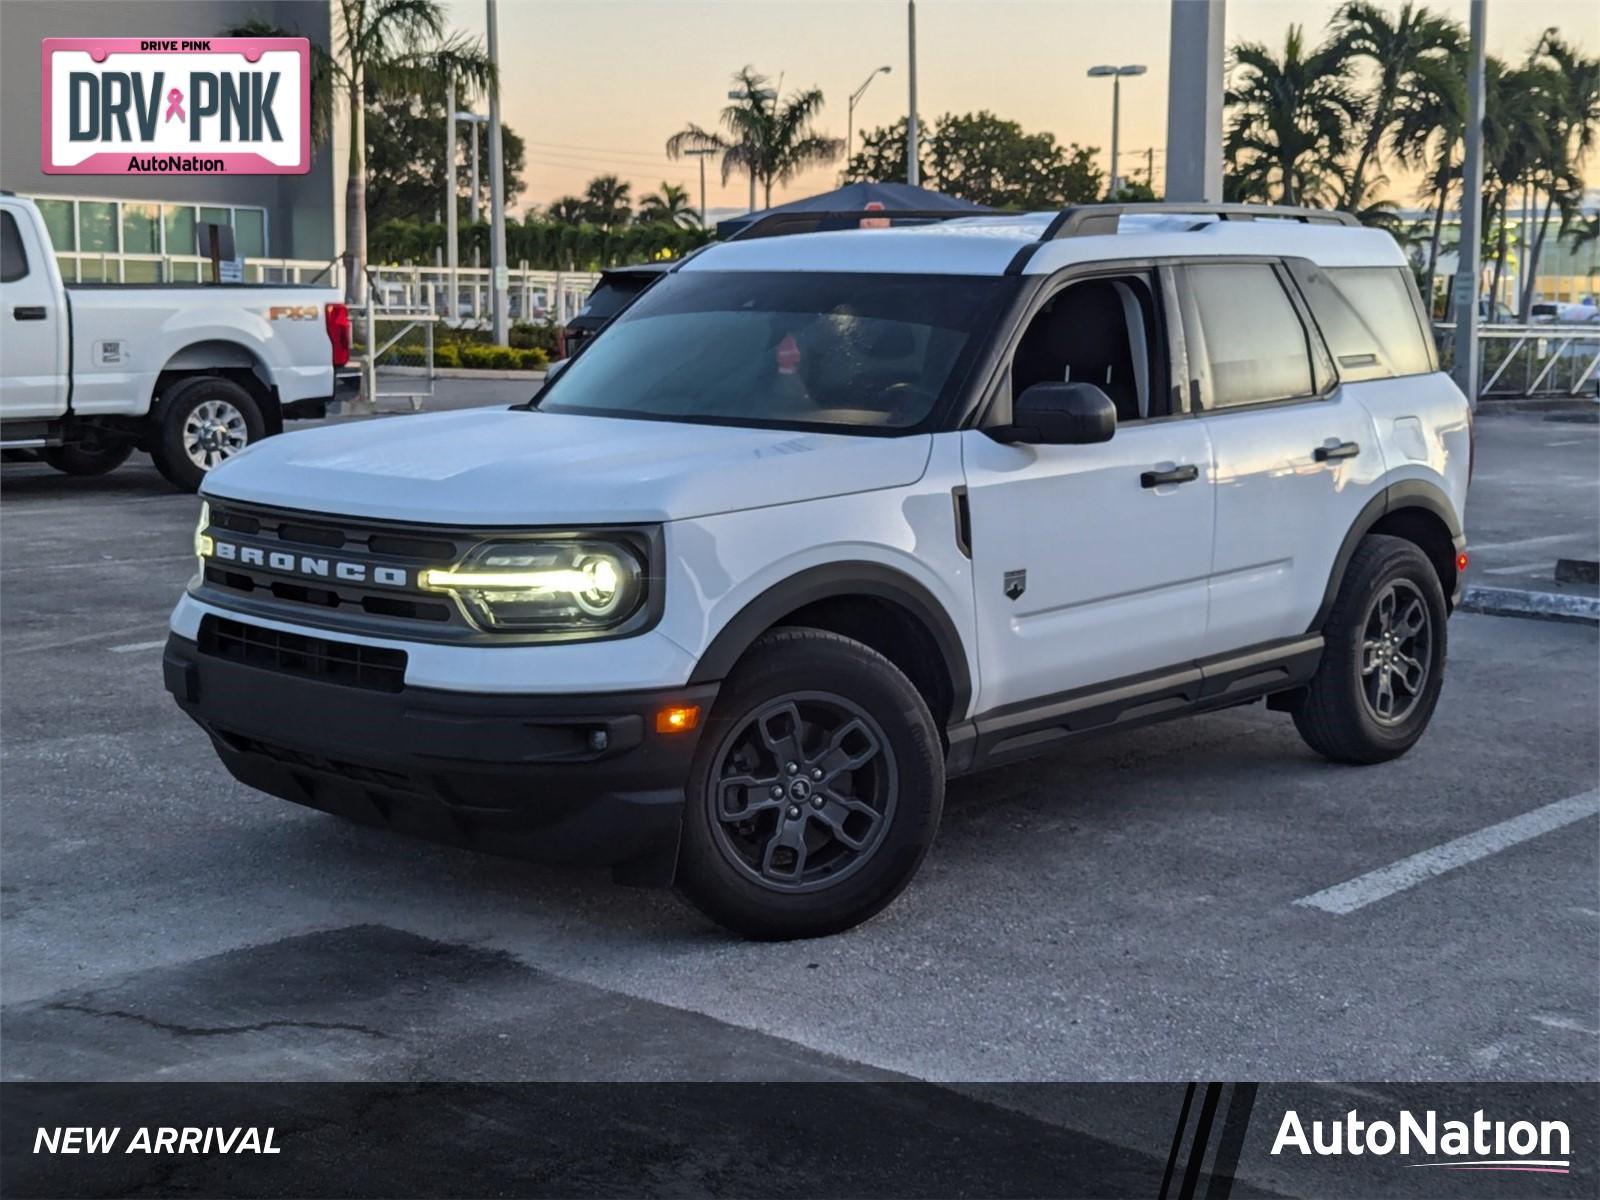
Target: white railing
398, 291
532, 295
1535, 360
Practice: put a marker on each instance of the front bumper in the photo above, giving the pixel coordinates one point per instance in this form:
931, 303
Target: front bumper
571, 778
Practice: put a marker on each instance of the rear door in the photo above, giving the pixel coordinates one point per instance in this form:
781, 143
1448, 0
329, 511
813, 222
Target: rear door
1296, 458
33, 381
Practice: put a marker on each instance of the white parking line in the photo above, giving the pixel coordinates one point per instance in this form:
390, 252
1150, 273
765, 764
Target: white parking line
1544, 540
1519, 569
132, 646
1408, 872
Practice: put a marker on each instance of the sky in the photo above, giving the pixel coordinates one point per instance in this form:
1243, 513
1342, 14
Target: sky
598, 86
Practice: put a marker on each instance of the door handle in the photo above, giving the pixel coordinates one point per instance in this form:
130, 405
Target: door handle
29, 312
1184, 474
1329, 453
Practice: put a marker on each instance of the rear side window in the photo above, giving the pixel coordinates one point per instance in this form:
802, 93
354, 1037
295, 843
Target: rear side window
1253, 341
13, 259
608, 299
1369, 320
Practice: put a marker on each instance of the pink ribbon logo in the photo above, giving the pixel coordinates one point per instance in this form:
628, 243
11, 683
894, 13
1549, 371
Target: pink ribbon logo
175, 105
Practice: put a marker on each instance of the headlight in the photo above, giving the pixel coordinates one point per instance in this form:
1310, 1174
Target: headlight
202, 539
552, 586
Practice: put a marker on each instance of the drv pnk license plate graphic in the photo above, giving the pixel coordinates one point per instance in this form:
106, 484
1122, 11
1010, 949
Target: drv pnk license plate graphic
175, 106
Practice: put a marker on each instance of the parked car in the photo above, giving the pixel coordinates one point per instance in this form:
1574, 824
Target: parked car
190, 373
823, 520
616, 288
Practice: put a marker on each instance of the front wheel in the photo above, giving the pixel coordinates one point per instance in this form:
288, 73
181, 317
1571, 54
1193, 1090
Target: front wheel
94, 456
1383, 663
815, 791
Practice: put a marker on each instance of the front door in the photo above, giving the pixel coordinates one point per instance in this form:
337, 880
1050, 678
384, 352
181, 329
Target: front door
1090, 563
32, 369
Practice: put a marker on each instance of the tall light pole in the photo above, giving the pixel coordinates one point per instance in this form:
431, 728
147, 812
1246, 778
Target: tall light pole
913, 141
850, 114
1194, 100
701, 153
497, 191
759, 96
1465, 367
1116, 74
451, 232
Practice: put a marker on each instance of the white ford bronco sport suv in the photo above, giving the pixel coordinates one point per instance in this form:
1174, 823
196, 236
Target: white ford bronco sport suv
824, 519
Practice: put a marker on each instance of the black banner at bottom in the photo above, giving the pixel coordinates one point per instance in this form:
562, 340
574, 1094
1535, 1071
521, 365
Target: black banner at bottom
1167, 1141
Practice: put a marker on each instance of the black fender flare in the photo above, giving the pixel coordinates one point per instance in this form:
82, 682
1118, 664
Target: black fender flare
827, 582
1408, 493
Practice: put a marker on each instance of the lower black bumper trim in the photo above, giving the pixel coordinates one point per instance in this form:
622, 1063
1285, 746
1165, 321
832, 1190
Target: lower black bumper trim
579, 778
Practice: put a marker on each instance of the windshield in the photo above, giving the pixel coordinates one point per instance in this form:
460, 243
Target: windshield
855, 352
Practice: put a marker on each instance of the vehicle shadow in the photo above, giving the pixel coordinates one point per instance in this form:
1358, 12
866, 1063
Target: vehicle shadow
136, 478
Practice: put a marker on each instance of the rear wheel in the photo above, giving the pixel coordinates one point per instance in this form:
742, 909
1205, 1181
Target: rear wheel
816, 789
1383, 664
204, 421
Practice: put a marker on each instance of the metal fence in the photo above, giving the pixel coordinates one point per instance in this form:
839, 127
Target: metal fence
1533, 360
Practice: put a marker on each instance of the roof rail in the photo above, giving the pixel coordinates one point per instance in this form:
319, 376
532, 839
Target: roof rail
779, 223
1086, 220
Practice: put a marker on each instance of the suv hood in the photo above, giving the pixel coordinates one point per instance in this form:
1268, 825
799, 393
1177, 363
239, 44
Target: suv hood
496, 466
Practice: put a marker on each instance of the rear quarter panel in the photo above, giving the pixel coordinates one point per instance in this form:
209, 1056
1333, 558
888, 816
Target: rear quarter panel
123, 338
1424, 428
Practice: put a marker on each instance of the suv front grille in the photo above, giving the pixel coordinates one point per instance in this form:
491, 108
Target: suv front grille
256, 586
348, 664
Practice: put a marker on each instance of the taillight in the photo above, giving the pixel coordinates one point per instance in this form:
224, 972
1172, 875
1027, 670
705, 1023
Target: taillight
338, 321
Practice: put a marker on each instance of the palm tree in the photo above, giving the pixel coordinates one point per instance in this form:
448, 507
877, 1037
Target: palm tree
669, 206
771, 138
1426, 136
567, 210
1574, 128
1398, 46
607, 202
1517, 136
391, 48
1292, 118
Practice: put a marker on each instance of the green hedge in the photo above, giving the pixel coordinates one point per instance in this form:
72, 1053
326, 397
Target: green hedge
475, 357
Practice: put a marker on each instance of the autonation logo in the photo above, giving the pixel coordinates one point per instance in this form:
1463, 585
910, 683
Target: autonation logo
1476, 1145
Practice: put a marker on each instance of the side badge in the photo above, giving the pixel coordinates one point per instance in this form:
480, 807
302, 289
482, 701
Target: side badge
1015, 584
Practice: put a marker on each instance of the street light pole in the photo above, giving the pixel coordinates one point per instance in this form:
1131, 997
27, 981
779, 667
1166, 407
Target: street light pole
1465, 367
913, 148
451, 232
701, 154
850, 114
1116, 74
497, 191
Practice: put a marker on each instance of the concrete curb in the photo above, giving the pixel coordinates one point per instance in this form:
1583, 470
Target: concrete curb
1548, 606
457, 373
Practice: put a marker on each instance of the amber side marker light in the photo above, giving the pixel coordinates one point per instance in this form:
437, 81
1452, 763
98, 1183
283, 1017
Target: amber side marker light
678, 720
1461, 562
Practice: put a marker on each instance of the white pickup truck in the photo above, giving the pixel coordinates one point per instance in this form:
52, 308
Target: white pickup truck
190, 373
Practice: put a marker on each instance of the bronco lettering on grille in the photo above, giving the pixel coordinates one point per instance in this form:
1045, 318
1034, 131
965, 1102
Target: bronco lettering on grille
309, 566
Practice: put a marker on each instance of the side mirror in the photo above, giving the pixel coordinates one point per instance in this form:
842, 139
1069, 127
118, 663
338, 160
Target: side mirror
1059, 414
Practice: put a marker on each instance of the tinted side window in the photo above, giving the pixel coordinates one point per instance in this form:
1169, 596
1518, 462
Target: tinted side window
1369, 320
1255, 345
13, 259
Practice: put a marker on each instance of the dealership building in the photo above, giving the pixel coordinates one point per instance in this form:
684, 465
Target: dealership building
132, 228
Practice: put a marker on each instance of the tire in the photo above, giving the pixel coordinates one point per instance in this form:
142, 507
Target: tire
1386, 631
96, 457
789, 870
204, 420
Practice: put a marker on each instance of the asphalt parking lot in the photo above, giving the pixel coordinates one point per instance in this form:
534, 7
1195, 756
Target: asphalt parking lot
1125, 909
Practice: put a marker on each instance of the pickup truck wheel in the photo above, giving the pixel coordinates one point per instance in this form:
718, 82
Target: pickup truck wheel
205, 420
815, 792
1383, 663
95, 457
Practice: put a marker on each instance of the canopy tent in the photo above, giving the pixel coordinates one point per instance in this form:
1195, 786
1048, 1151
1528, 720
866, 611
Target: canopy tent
892, 196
